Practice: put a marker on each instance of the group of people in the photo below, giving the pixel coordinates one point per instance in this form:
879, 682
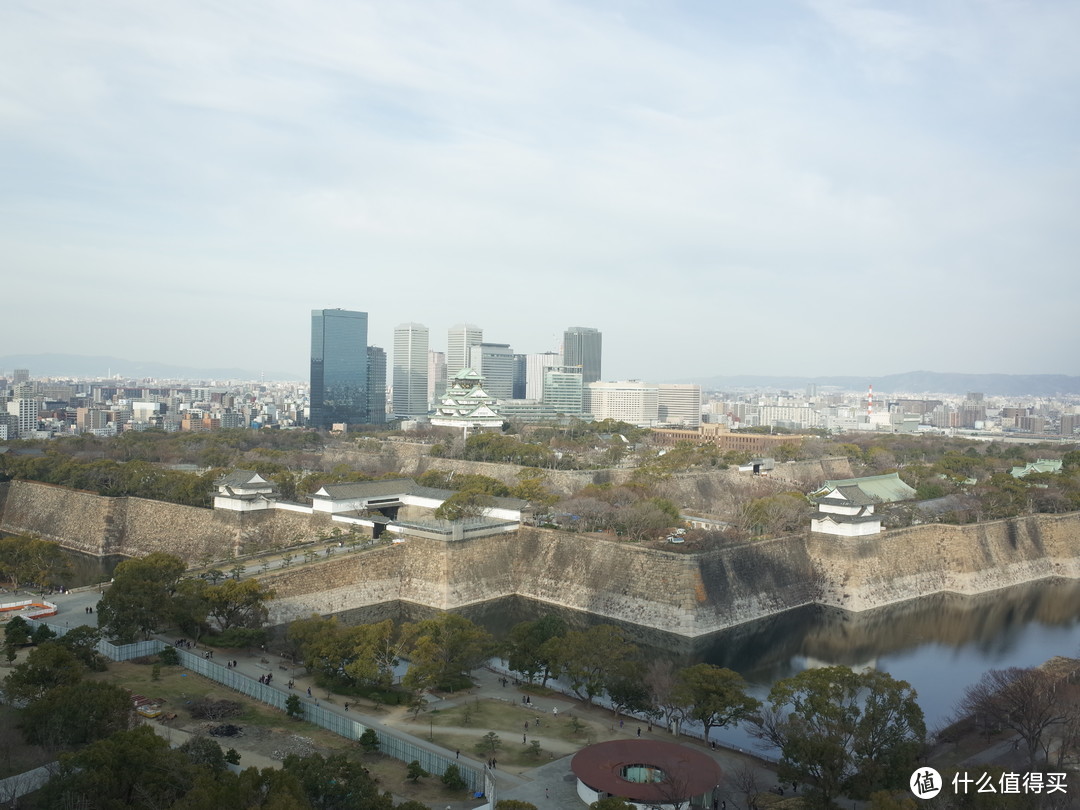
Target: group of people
265, 679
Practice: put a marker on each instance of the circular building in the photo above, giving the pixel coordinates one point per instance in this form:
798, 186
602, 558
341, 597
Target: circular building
646, 772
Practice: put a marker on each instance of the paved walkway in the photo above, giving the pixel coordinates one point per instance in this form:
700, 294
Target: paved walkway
550, 786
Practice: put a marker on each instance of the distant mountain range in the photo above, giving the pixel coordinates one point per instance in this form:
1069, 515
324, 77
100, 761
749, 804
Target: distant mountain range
74, 365
912, 382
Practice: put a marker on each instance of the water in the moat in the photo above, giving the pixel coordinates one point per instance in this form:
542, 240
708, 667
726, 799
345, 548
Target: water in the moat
86, 569
940, 644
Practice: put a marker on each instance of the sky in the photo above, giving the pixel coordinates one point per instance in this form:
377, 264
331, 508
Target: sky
803, 188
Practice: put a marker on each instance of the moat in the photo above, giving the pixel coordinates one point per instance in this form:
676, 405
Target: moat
940, 643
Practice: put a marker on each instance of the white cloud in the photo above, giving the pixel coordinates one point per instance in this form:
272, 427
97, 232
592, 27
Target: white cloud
607, 160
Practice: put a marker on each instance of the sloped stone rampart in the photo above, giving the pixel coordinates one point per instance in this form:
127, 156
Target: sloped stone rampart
82, 521
133, 527
693, 489
683, 593
697, 594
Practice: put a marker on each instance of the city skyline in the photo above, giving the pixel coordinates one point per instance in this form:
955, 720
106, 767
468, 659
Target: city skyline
798, 188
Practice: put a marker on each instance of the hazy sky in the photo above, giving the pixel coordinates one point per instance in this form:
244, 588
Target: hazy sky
722, 187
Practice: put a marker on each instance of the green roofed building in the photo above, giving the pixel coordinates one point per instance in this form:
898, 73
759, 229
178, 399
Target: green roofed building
846, 507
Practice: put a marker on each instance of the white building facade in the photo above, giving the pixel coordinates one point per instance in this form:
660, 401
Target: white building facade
410, 370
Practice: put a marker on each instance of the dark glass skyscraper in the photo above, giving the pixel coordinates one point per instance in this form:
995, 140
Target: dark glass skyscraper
376, 359
339, 367
582, 346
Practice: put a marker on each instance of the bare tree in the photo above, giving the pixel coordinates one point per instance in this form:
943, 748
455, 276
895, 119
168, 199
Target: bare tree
661, 679
1023, 700
743, 780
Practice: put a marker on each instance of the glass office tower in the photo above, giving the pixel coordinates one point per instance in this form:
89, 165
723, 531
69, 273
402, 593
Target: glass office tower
583, 346
339, 367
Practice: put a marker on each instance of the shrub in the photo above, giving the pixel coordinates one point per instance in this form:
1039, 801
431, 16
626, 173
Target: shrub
369, 741
452, 778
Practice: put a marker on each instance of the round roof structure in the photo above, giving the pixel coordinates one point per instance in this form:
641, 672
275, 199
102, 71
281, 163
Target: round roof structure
646, 770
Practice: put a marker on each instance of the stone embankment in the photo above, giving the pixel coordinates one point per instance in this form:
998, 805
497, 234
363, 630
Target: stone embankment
689, 594
692, 594
690, 489
133, 527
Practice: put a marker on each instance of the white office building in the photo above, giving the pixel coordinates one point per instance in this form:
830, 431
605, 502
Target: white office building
495, 363
630, 401
410, 370
460, 339
535, 367
679, 404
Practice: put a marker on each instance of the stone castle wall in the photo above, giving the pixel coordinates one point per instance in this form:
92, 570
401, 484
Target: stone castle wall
133, 527
82, 521
684, 593
694, 490
693, 594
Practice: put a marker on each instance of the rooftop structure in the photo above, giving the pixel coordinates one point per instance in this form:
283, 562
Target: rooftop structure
650, 773
846, 507
466, 404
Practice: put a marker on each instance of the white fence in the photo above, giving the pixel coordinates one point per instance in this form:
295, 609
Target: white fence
398, 745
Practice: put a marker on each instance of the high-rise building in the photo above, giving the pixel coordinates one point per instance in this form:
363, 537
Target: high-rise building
339, 373
376, 359
20, 375
563, 391
679, 404
520, 373
535, 366
629, 401
495, 363
582, 346
410, 370
436, 375
460, 339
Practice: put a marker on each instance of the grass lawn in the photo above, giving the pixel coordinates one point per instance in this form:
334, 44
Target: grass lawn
462, 727
177, 687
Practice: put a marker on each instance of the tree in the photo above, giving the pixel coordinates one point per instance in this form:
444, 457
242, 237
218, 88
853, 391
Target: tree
589, 658
336, 783
839, 731
464, 504
714, 696
369, 741
202, 750
627, 690
415, 771
238, 603
514, 804
83, 641
294, 707
1023, 700
17, 632
661, 680
489, 743
452, 778
139, 601
45, 668
443, 650
132, 768
528, 650
77, 714
25, 559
